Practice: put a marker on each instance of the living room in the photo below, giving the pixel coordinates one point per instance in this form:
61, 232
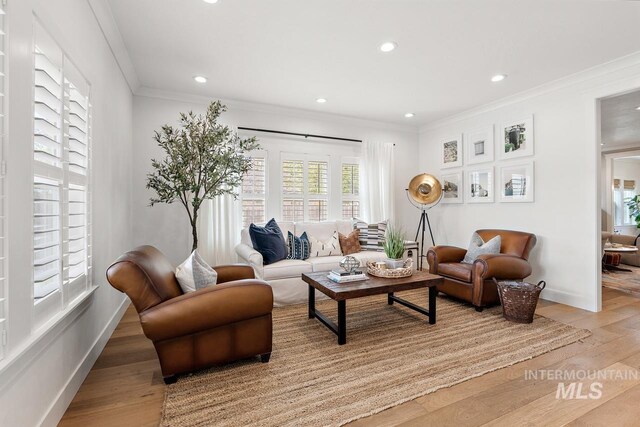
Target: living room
454, 126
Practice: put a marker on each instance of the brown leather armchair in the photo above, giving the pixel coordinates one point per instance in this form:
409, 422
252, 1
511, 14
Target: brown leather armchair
217, 324
473, 282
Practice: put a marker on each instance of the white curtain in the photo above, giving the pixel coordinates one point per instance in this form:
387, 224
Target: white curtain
377, 181
219, 226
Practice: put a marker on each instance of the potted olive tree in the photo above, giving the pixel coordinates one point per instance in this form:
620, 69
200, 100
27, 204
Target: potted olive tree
203, 159
394, 247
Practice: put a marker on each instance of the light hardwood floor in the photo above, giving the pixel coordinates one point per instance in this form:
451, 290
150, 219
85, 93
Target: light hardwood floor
125, 387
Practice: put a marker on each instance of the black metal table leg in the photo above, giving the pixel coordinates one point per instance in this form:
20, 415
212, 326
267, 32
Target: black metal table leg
312, 302
390, 298
433, 294
342, 322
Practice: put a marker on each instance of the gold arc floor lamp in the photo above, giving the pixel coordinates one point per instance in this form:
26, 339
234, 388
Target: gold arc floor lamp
424, 192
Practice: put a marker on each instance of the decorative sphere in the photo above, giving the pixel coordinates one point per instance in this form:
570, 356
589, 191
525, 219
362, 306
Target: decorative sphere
349, 264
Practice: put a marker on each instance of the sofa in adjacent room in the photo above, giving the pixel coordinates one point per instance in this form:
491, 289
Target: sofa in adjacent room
285, 277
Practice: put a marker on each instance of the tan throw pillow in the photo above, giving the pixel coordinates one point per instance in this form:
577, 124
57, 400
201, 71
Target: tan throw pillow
328, 248
350, 244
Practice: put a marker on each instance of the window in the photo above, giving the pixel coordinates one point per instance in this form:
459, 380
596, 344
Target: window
305, 189
350, 190
61, 185
622, 215
254, 190
3, 244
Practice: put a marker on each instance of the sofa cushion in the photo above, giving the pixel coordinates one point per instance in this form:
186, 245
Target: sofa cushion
298, 247
319, 230
269, 241
350, 244
479, 247
325, 263
286, 268
329, 247
456, 270
371, 235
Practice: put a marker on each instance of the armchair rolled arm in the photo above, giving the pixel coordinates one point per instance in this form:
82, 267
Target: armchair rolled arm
207, 308
501, 266
447, 253
251, 257
227, 273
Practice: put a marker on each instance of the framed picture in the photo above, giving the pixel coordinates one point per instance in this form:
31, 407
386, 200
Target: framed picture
452, 188
479, 185
517, 182
451, 152
516, 139
479, 146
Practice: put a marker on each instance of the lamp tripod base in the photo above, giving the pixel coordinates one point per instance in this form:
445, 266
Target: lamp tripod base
422, 226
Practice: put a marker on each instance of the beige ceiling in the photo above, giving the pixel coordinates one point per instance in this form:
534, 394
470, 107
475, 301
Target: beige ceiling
290, 52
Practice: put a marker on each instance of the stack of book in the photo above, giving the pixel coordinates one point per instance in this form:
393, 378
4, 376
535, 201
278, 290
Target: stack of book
344, 276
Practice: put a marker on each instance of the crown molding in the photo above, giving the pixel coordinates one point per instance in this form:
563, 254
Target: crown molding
254, 107
109, 27
618, 64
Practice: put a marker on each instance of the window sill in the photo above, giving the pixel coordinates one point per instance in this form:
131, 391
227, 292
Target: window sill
19, 359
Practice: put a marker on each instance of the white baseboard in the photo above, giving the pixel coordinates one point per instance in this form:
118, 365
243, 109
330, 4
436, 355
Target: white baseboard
575, 300
60, 404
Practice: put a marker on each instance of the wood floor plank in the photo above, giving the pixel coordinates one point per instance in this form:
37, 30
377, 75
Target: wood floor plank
623, 409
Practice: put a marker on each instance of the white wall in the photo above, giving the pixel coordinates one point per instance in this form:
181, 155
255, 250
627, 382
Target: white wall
566, 213
44, 367
166, 226
627, 169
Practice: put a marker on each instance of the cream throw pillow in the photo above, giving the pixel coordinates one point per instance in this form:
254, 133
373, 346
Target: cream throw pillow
328, 248
194, 273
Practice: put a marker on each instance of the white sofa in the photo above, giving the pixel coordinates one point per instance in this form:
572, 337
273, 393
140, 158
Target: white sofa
285, 276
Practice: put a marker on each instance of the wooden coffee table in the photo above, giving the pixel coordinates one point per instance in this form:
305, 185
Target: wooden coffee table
341, 292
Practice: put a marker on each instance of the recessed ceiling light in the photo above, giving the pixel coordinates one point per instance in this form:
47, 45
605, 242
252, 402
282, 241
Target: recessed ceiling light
321, 100
211, 1
388, 46
409, 115
498, 78
200, 79
638, 108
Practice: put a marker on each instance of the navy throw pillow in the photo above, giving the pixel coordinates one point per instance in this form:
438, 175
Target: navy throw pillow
298, 247
269, 241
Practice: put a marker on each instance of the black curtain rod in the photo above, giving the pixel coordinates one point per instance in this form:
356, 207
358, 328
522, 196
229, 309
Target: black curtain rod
306, 135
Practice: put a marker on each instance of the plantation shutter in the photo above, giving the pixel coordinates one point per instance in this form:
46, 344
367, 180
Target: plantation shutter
48, 171
350, 190
3, 200
254, 192
293, 190
318, 186
61, 180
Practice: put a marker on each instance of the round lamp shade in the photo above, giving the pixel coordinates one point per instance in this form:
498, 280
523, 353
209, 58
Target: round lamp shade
425, 189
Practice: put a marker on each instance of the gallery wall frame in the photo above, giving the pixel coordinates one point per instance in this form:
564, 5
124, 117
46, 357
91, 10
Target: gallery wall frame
452, 187
479, 185
516, 139
451, 152
516, 182
479, 145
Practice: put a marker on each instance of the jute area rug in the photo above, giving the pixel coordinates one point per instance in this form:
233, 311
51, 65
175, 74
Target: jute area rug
392, 355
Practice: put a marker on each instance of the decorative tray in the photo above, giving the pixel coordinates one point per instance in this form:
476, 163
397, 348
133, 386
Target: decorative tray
391, 273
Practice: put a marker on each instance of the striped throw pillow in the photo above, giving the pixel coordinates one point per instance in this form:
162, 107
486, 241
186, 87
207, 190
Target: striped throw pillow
298, 247
371, 235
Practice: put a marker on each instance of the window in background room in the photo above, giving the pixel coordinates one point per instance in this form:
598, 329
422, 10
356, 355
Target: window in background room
305, 188
254, 191
61, 178
623, 190
350, 190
